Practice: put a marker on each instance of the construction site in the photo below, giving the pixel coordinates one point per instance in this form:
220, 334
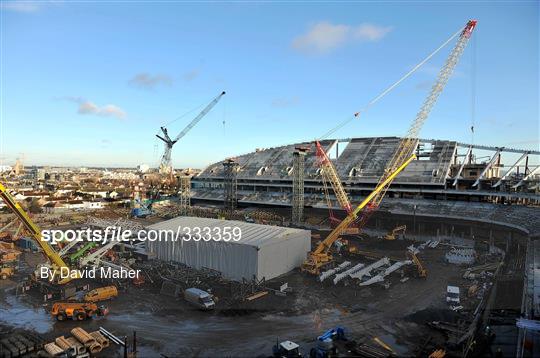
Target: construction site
337, 247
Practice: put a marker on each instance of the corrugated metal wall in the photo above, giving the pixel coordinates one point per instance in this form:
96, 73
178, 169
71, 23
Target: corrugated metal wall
236, 260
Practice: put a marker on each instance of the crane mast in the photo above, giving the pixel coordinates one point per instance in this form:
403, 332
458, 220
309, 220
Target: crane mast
330, 175
166, 164
403, 156
321, 255
409, 143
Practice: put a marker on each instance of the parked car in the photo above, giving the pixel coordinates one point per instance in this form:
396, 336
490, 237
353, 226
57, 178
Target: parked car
199, 298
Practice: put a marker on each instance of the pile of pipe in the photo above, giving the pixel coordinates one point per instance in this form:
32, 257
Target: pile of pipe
87, 340
80, 346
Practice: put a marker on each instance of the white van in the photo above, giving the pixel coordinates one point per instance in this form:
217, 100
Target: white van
199, 298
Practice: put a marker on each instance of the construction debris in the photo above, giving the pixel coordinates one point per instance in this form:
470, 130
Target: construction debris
461, 256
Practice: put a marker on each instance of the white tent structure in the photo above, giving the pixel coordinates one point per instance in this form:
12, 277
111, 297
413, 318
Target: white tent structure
262, 250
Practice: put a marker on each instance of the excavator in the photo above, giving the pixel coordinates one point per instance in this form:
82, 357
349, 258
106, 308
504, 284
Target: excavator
55, 260
421, 271
399, 230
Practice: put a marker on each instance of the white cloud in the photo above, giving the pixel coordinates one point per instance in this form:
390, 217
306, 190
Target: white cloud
20, 6
191, 75
148, 81
369, 32
88, 107
324, 37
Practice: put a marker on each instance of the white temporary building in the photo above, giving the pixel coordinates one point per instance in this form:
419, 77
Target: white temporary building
262, 251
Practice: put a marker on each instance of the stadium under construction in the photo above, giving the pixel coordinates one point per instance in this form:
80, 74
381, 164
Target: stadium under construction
357, 247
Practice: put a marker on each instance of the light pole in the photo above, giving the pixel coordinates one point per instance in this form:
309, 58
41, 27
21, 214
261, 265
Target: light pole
414, 218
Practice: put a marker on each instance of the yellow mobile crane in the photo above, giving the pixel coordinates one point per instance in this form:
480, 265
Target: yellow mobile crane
409, 143
55, 260
402, 156
321, 255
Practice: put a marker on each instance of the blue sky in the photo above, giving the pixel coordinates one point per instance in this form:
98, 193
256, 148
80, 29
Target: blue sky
90, 83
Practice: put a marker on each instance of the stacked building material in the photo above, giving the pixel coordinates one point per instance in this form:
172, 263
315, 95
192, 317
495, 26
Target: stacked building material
87, 340
81, 345
335, 270
15, 345
101, 339
81, 349
342, 275
69, 349
367, 270
461, 256
53, 349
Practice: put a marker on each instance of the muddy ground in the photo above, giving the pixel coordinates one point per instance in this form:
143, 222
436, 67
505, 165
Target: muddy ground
169, 326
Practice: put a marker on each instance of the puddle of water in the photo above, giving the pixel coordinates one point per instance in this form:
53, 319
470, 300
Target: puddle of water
20, 315
330, 315
391, 341
172, 325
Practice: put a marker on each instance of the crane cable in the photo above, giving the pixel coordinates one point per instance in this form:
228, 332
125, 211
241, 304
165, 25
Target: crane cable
386, 91
473, 87
182, 116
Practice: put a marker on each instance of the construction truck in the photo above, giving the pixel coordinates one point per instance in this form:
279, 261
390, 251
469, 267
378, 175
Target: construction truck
77, 311
141, 210
101, 294
286, 349
327, 343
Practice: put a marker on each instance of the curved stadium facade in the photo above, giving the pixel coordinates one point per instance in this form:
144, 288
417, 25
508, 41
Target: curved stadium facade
265, 175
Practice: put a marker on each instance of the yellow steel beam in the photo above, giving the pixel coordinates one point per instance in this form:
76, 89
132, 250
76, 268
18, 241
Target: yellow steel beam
334, 235
33, 229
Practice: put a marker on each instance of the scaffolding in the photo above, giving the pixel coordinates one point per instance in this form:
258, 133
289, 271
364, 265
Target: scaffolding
230, 184
185, 194
298, 185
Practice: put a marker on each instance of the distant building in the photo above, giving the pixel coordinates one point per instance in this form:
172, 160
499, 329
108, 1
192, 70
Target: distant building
5, 168
143, 168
